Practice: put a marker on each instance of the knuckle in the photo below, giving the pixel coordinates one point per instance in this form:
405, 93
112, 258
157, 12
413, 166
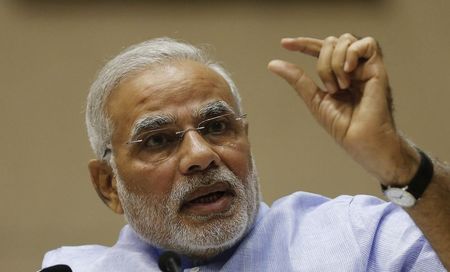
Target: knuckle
344, 43
371, 41
331, 39
347, 36
300, 76
373, 45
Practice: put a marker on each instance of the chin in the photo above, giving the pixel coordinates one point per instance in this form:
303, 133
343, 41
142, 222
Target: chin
210, 238
193, 232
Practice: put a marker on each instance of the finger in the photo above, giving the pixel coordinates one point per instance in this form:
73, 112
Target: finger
324, 68
338, 60
296, 77
309, 46
364, 48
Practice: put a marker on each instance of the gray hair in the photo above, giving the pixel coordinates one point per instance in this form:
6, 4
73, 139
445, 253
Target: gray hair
130, 61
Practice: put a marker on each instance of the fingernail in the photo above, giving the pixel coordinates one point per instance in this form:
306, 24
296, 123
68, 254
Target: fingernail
287, 39
330, 87
275, 62
342, 83
346, 66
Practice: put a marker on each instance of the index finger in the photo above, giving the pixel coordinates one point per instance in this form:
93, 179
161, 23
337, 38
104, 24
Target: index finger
309, 46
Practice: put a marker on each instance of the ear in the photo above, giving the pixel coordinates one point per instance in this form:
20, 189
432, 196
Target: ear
246, 127
105, 184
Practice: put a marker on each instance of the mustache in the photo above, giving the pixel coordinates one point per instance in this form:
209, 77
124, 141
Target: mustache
188, 185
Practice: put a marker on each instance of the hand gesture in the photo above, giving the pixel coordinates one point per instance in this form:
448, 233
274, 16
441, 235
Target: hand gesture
355, 107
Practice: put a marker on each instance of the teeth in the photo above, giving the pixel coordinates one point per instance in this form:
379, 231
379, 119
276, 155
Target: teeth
208, 198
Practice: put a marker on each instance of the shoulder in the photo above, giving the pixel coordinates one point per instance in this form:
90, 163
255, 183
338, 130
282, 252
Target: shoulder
129, 253
309, 204
360, 212
370, 229
307, 214
74, 256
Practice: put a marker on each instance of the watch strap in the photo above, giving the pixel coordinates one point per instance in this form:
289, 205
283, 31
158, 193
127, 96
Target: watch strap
421, 179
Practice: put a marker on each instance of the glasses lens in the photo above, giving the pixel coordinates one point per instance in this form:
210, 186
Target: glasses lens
222, 130
156, 145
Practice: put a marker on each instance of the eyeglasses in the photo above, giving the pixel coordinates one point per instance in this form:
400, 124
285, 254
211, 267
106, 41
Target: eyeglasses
159, 144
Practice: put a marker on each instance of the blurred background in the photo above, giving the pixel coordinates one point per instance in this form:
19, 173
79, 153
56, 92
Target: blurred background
50, 52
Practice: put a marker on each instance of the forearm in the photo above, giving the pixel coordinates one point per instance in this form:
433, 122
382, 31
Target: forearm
396, 166
432, 212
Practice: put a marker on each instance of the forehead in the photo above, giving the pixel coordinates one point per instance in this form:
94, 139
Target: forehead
176, 88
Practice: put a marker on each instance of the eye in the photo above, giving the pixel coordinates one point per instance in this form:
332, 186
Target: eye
216, 126
157, 140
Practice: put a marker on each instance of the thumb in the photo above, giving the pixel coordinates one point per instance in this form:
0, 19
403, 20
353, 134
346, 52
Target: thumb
298, 79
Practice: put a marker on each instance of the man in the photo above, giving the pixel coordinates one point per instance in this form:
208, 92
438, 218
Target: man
173, 156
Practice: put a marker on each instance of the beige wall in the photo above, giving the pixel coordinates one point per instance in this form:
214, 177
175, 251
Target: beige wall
50, 52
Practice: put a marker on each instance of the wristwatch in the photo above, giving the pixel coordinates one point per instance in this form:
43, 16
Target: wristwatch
407, 196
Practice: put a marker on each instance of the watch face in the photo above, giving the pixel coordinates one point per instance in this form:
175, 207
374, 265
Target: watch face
400, 197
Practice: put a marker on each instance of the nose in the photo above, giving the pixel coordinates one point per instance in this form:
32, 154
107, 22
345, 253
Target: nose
196, 154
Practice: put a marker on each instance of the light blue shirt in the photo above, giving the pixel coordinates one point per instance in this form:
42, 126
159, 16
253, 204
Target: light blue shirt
300, 232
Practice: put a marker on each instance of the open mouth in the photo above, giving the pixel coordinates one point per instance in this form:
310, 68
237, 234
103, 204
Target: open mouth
207, 200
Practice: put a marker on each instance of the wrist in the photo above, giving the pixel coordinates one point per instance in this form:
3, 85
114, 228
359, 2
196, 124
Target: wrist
402, 164
406, 196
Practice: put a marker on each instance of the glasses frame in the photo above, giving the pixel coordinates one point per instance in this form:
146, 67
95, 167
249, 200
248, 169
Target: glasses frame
180, 133
199, 127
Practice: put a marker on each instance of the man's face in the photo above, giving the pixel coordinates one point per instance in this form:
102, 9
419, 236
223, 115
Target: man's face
201, 197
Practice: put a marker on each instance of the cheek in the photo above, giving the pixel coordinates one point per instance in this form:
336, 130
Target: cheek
238, 160
155, 179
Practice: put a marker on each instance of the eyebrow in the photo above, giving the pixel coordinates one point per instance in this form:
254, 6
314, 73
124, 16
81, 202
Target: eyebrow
213, 109
151, 123
158, 121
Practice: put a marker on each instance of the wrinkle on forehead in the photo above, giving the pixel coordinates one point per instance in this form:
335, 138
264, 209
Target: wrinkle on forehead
184, 80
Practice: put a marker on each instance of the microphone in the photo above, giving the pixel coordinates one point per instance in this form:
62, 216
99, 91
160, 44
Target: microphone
57, 268
169, 262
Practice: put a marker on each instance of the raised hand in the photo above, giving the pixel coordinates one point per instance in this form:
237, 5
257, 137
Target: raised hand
355, 107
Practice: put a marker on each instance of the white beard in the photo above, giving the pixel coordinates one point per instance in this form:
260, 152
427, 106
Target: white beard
156, 218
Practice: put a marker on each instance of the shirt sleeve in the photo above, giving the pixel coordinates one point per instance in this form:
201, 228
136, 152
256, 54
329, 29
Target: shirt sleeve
389, 237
